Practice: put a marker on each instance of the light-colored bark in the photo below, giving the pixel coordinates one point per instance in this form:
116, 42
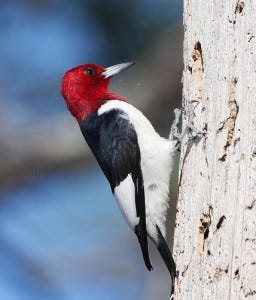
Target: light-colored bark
215, 234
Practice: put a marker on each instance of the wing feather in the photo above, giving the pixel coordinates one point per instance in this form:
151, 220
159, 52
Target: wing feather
114, 143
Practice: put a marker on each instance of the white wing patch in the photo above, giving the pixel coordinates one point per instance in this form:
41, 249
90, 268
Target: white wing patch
125, 197
156, 165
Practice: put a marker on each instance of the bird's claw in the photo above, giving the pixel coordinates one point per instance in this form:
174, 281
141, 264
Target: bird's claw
191, 130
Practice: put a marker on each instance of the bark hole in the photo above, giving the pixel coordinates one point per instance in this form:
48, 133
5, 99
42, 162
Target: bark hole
185, 271
198, 70
204, 230
251, 293
252, 205
219, 272
237, 275
239, 7
220, 222
230, 122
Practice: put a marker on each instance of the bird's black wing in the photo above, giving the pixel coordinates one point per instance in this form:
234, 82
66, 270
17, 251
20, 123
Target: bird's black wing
114, 143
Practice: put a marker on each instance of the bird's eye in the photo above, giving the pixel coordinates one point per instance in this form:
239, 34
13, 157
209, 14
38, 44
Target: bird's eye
90, 71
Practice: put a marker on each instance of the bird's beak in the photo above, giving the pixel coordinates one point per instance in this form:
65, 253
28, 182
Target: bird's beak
113, 70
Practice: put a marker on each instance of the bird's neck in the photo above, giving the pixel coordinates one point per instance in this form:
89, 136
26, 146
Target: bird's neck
82, 105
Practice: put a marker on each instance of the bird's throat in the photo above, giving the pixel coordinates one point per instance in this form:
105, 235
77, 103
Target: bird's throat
82, 106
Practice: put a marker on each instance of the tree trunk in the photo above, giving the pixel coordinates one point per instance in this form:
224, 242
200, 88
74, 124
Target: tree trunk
215, 234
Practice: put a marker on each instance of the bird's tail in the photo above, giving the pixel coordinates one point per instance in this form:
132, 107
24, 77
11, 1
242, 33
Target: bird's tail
144, 246
167, 258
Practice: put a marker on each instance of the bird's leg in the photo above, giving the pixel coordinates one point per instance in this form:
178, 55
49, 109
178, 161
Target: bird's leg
190, 129
174, 133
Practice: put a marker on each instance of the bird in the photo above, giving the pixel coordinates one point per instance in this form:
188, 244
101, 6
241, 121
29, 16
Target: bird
135, 159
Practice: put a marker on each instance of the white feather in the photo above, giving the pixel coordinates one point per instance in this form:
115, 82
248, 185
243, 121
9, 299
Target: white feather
125, 197
156, 165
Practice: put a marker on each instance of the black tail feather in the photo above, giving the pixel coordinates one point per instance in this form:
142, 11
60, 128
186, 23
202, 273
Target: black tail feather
166, 256
143, 240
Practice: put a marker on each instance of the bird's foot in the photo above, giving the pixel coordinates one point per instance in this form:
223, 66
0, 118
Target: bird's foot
175, 134
190, 129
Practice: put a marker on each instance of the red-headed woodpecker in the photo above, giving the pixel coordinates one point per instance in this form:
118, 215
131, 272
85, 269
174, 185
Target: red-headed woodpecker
135, 159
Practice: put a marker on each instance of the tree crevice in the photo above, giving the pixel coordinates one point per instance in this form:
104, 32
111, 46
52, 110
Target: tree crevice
197, 70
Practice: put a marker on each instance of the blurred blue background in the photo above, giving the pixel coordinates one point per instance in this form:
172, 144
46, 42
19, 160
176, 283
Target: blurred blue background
61, 233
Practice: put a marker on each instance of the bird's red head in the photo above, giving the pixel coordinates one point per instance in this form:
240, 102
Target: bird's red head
85, 88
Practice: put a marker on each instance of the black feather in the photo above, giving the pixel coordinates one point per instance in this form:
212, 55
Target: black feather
166, 256
114, 143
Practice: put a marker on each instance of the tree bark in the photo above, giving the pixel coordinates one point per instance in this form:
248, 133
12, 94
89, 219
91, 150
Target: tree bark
215, 233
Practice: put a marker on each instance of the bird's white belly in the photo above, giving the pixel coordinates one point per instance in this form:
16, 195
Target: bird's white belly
156, 164
156, 169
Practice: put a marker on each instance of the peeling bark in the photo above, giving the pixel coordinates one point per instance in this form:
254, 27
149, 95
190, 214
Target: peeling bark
215, 233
